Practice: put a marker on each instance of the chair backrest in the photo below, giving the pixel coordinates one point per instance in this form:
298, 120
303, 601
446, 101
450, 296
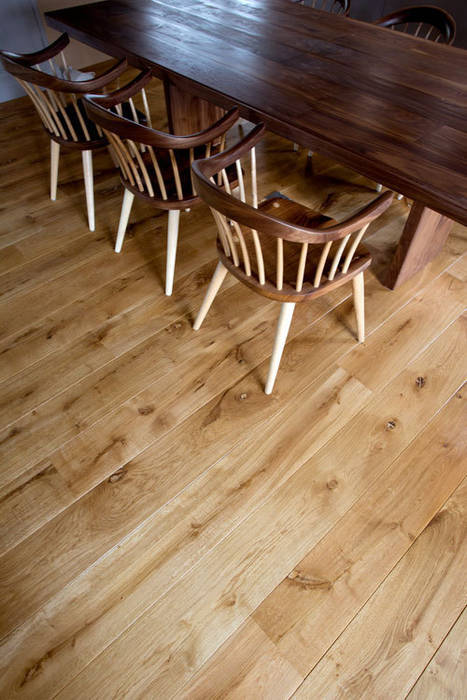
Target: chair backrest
338, 7
425, 21
244, 231
55, 96
153, 164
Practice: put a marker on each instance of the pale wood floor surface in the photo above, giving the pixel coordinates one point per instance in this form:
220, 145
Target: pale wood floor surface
167, 530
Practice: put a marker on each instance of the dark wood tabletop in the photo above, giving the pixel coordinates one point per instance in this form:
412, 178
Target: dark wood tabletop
391, 106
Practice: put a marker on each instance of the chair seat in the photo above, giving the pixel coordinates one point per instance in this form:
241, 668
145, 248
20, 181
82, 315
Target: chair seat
298, 214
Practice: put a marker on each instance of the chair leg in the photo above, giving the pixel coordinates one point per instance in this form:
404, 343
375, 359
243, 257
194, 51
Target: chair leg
128, 198
172, 237
283, 325
88, 186
54, 156
359, 304
214, 286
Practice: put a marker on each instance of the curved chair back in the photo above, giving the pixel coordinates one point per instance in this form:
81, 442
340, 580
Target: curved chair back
153, 164
338, 7
424, 21
56, 97
279, 258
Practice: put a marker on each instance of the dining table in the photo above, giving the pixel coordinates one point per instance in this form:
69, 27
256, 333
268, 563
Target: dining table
385, 104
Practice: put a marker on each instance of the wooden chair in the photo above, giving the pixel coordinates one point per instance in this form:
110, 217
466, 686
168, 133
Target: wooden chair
60, 107
425, 21
338, 7
154, 165
280, 249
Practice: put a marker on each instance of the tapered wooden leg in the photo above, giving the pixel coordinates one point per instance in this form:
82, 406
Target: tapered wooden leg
214, 286
89, 186
359, 304
128, 198
172, 238
283, 325
423, 237
54, 156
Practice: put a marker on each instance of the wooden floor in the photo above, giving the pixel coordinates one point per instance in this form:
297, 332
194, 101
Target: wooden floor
167, 530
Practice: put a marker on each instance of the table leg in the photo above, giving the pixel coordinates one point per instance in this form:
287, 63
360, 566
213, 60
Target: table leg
188, 113
423, 237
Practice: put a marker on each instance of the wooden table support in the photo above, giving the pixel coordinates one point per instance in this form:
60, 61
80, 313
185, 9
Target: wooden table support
187, 112
423, 237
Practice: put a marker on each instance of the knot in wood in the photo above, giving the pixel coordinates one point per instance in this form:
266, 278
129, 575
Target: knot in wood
145, 410
117, 476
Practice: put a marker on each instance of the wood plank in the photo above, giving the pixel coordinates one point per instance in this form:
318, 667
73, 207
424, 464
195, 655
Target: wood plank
459, 269
416, 325
223, 588
390, 642
187, 527
319, 598
253, 668
446, 674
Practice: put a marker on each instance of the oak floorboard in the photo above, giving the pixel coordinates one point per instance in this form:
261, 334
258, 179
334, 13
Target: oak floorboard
402, 336
152, 498
406, 619
216, 596
459, 269
188, 526
446, 674
316, 601
122, 442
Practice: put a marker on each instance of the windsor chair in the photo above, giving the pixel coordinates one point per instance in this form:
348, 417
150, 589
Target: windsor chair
154, 165
59, 104
423, 21
338, 7
279, 248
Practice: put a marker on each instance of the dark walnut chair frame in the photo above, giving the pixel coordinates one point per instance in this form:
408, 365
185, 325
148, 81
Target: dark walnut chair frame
422, 21
338, 7
154, 166
279, 248
59, 104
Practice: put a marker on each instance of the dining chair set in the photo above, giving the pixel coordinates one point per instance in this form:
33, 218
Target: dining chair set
277, 247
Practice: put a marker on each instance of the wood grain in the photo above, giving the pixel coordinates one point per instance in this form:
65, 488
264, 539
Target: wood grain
446, 674
323, 593
203, 614
154, 504
402, 624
